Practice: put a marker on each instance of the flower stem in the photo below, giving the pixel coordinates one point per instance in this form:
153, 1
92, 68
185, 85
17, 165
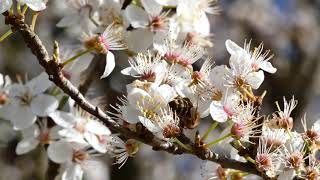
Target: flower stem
76, 56
24, 10
211, 128
5, 35
248, 158
216, 141
182, 145
34, 20
18, 7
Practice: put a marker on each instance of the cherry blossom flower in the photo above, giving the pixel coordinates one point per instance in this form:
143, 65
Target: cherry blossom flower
35, 5
255, 59
110, 39
28, 101
73, 157
81, 128
35, 135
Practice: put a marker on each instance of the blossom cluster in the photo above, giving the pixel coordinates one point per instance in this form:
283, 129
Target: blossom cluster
42, 118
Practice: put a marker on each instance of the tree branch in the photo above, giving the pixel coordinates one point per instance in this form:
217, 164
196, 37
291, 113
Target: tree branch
53, 69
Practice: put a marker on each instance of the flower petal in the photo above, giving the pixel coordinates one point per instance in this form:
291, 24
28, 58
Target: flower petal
36, 5
217, 112
110, 65
39, 84
149, 125
5, 5
93, 140
136, 16
152, 7
63, 119
267, 66
23, 117
139, 40
232, 47
26, 145
255, 79
73, 172
60, 152
97, 128
42, 105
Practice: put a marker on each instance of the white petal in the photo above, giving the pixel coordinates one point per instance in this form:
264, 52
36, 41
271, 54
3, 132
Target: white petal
166, 92
267, 66
63, 119
97, 128
152, 7
136, 16
217, 112
136, 95
110, 65
129, 71
23, 118
60, 152
149, 125
42, 105
130, 114
36, 5
54, 132
255, 79
39, 84
7, 112
26, 145
139, 40
290, 174
31, 132
5, 5
232, 47
72, 135
74, 172
167, 2
95, 143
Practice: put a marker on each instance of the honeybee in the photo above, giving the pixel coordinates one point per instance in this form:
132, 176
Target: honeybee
187, 113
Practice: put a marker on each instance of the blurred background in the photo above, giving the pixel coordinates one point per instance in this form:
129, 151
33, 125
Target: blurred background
289, 28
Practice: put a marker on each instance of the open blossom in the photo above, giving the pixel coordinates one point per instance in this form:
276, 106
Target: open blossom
28, 101
146, 67
35, 135
149, 23
73, 157
268, 160
110, 39
36, 5
82, 129
255, 59
245, 124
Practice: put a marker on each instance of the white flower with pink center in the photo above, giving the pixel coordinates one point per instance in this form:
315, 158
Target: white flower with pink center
225, 109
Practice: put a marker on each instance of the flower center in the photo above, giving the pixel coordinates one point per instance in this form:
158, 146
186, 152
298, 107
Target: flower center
263, 162
172, 57
238, 130
44, 137
295, 160
149, 76
157, 23
171, 130
79, 156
